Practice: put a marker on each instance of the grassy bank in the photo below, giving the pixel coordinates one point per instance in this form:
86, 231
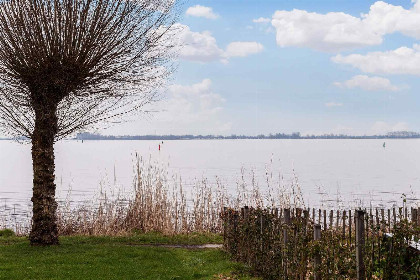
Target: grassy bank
117, 258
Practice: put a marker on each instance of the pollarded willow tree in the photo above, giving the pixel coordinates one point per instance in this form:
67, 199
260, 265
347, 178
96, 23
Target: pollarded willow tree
68, 64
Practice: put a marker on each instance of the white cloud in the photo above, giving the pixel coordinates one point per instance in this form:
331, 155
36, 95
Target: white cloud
261, 20
192, 109
203, 47
242, 49
262, 25
337, 31
381, 127
403, 60
201, 92
368, 83
196, 46
386, 18
201, 11
333, 104
325, 32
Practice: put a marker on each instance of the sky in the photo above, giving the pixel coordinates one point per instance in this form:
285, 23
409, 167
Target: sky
258, 67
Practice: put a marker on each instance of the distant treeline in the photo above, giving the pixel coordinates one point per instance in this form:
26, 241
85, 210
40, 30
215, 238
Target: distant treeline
295, 135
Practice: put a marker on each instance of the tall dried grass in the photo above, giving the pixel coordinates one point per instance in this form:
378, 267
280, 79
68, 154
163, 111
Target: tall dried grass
160, 203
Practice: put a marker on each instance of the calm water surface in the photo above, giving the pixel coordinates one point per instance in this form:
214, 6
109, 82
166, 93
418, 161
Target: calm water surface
348, 171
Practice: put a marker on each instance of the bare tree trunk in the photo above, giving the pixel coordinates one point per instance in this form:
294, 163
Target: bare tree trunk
44, 221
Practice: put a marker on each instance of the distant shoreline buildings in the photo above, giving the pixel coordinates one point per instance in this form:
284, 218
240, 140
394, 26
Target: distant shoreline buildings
295, 135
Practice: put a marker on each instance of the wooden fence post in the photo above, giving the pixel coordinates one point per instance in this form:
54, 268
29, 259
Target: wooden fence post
360, 244
306, 220
246, 212
331, 218
313, 215
325, 219
287, 222
317, 257
395, 217
383, 223
411, 212
400, 212
298, 214
389, 220
350, 227
319, 216
366, 226
337, 222
235, 227
344, 224
275, 221
414, 216
418, 216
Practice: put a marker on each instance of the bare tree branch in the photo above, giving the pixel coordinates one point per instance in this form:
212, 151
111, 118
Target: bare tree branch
92, 60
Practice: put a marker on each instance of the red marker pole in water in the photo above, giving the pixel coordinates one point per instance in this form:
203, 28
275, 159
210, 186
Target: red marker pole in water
159, 147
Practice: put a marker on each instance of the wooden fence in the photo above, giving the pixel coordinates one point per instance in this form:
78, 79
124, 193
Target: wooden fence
319, 244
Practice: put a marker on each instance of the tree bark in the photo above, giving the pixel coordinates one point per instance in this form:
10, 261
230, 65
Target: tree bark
44, 220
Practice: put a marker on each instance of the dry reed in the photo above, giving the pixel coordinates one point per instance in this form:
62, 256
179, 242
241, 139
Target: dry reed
161, 204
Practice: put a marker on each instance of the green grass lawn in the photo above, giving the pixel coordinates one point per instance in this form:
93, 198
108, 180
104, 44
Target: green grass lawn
116, 258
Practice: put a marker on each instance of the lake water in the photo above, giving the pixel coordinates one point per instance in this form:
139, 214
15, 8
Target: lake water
328, 171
